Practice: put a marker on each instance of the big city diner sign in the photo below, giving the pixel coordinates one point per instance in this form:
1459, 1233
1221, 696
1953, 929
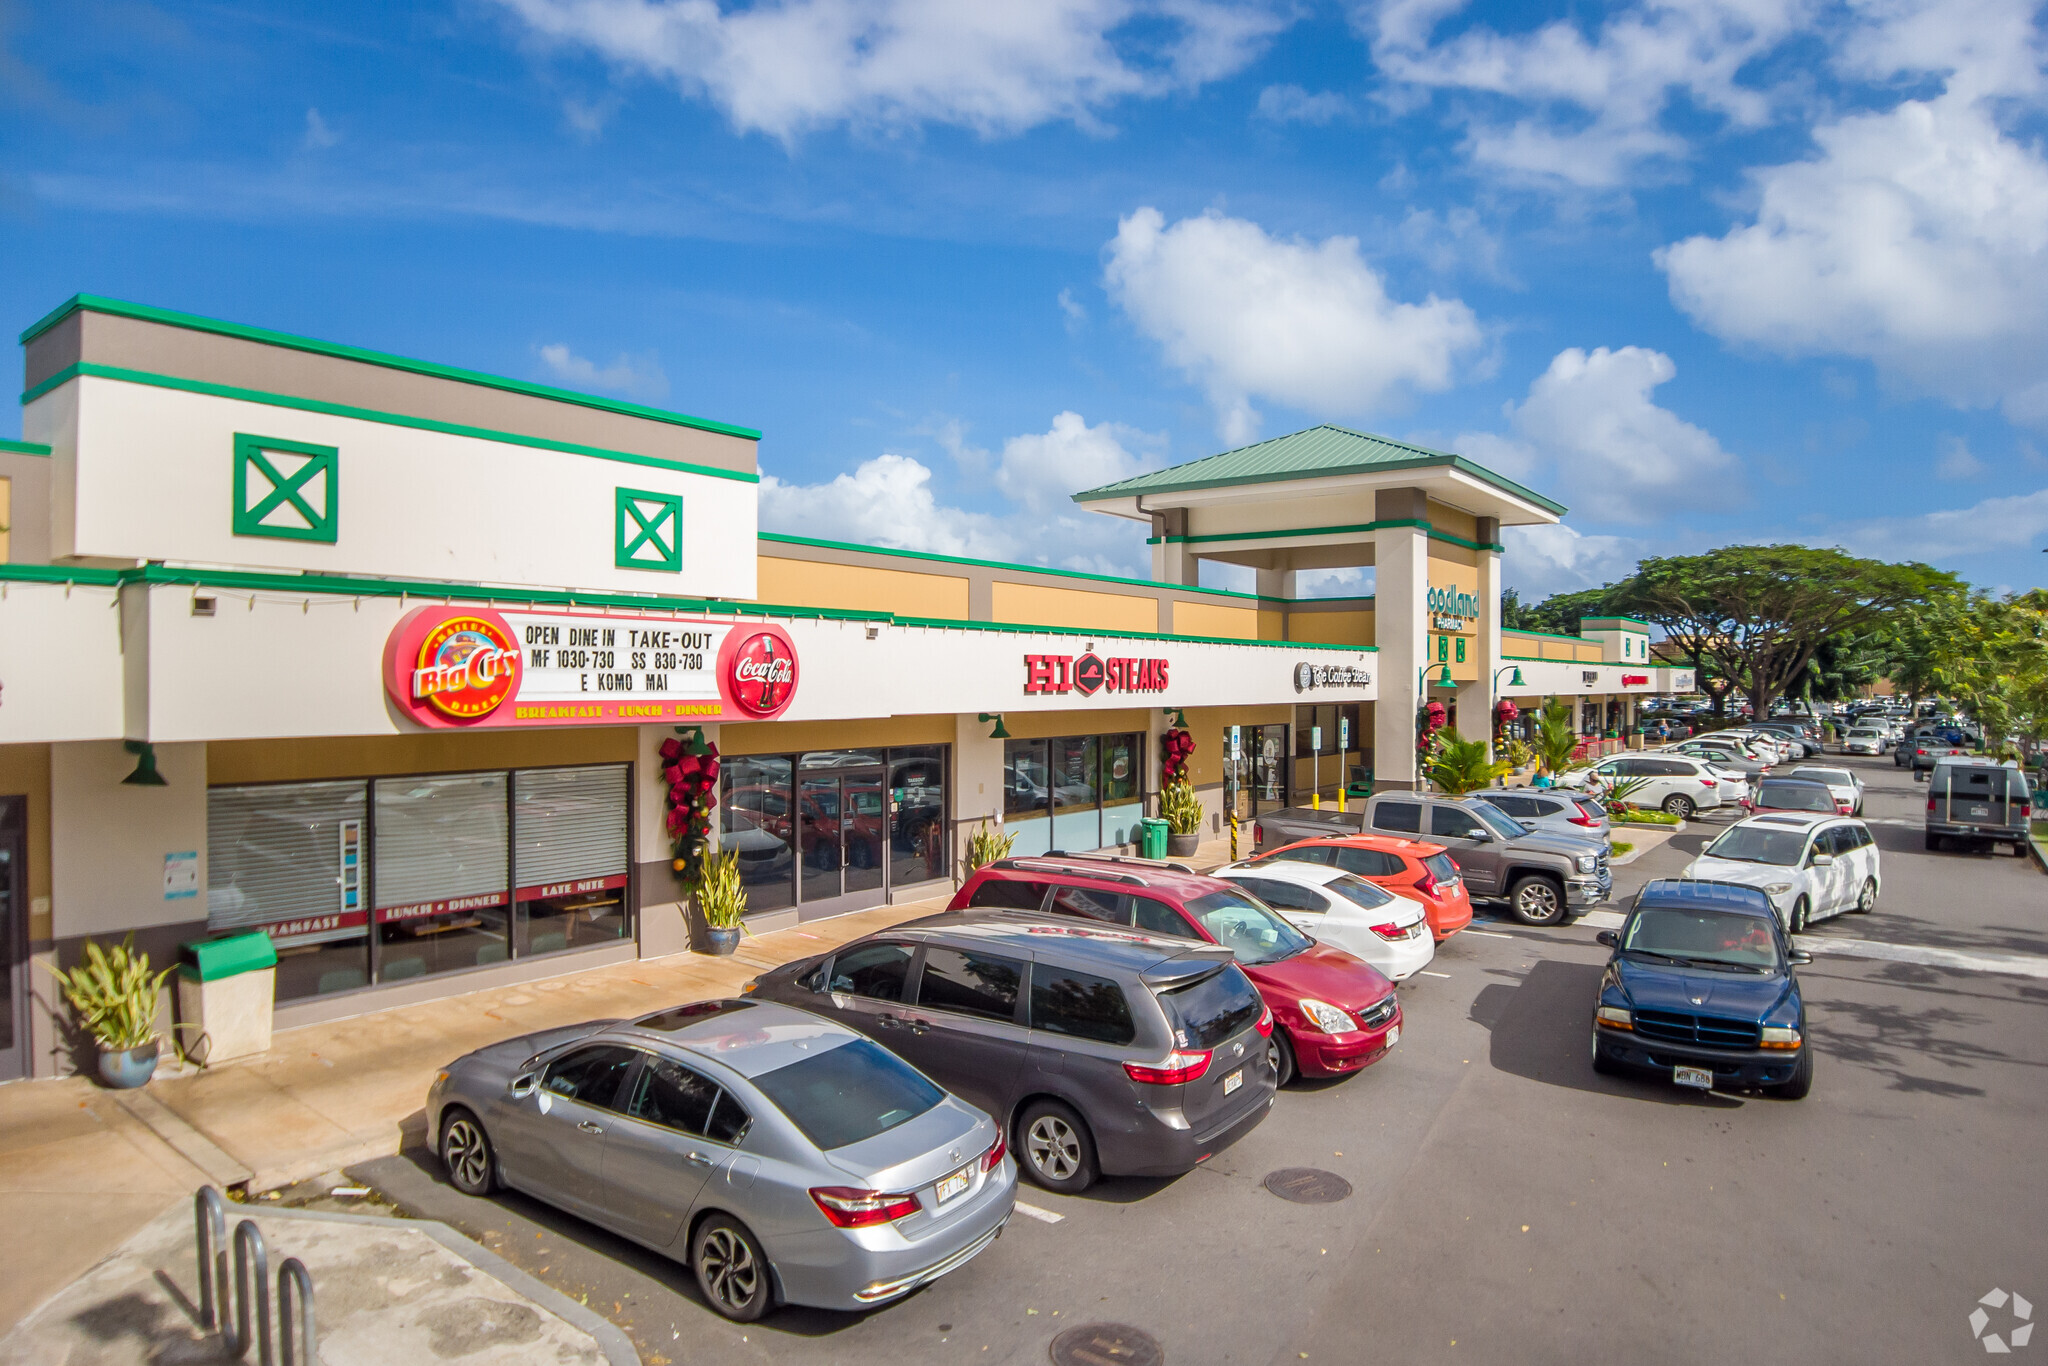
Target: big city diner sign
450, 667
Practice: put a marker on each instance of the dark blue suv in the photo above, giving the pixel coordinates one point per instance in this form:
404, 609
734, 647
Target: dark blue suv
1700, 990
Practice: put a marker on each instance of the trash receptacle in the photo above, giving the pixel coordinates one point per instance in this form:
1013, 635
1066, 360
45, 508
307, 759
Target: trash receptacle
1155, 838
226, 989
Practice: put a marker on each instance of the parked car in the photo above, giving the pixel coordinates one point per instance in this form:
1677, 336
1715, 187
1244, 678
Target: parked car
1732, 754
1676, 783
1929, 747
1098, 1049
782, 1157
1332, 906
1795, 794
1778, 748
1542, 876
1561, 811
1665, 729
1700, 990
1336, 1012
1804, 736
1842, 782
1867, 739
1979, 800
1810, 865
1410, 868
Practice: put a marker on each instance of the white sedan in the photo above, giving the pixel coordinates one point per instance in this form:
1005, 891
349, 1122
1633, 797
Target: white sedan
1867, 740
1336, 907
1810, 865
1842, 783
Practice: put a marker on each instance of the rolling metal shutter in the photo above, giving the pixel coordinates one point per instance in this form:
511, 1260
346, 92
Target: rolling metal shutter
273, 853
441, 837
570, 823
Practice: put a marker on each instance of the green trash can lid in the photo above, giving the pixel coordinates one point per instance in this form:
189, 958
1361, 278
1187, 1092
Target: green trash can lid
1155, 820
212, 959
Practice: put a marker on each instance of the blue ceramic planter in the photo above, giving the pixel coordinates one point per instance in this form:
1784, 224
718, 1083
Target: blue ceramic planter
130, 1068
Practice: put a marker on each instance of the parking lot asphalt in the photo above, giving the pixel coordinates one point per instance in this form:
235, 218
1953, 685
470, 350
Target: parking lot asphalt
1507, 1204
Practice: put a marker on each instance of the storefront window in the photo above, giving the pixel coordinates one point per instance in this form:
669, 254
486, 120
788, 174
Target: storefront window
442, 874
1027, 795
570, 857
813, 827
758, 824
918, 850
1076, 802
1123, 769
1079, 793
1268, 746
287, 858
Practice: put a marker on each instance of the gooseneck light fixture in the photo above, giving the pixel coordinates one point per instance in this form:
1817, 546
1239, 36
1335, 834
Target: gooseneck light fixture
998, 733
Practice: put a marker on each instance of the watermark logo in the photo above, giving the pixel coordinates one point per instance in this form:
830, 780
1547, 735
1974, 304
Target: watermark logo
2015, 1334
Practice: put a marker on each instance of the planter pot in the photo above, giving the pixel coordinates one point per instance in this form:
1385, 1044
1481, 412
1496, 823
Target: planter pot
128, 1068
721, 942
1182, 846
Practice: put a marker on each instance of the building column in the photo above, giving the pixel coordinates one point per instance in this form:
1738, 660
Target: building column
1276, 583
1171, 560
1475, 699
1401, 630
665, 924
977, 783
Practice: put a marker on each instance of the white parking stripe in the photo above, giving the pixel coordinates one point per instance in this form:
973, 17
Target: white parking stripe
1043, 1215
1490, 934
1427, 973
2021, 965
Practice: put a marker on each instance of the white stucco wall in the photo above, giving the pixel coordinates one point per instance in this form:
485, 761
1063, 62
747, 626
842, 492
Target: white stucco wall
108, 840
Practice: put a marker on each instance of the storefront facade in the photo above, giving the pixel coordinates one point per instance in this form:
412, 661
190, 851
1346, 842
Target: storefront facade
420, 751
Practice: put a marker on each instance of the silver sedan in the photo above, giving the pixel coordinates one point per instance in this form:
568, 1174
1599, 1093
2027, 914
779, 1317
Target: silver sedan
785, 1158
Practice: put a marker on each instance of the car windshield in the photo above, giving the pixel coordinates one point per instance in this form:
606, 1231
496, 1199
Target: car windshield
1357, 891
1721, 938
1207, 1012
1245, 927
1499, 821
1760, 844
849, 1093
1801, 796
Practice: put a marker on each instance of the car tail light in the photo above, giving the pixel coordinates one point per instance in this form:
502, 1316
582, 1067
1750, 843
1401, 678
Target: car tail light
1390, 931
1266, 1023
2026, 810
1182, 1065
1258, 833
993, 1158
1930, 803
1708, 782
852, 1207
1844, 808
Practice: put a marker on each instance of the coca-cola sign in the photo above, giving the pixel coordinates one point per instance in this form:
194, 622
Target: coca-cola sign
760, 672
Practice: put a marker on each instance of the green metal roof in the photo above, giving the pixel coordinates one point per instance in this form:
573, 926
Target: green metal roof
1317, 453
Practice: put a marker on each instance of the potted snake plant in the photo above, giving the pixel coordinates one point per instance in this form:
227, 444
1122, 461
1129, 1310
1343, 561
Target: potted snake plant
114, 995
1181, 809
722, 901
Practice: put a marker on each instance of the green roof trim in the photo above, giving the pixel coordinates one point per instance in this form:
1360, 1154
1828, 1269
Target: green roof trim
23, 447
785, 539
95, 303
88, 369
1316, 453
1604, 622
1353, 527
1547, 635
427, 591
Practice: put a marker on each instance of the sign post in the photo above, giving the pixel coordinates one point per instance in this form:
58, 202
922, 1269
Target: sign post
1315, 750
1343, 753
1232, 768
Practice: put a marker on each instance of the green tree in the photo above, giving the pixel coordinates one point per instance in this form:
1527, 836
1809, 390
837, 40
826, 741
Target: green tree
1558, 615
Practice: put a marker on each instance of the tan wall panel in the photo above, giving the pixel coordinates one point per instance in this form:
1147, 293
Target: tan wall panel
1077, 608
1208, 619
849, 587
272, 761
1444, 517
25, 772
1272, 624
1041, 725
1331, 628
794, 737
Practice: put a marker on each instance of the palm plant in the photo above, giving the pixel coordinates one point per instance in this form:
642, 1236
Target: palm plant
721, 896
1457, 765
1556, 739
114, 993
1180, 808
985, 846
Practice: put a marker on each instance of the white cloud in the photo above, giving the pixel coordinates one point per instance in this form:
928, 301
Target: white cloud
319, 136
2016, 522
994, 66
1956, 460
1292, 104
889, 500
1073, 310
636, 376
1546, 560
1308, 324
1618, 456
1586, 109
1917, 238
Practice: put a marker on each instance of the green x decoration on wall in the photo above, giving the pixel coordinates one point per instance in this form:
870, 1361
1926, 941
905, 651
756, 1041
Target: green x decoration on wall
286, 489
648, 530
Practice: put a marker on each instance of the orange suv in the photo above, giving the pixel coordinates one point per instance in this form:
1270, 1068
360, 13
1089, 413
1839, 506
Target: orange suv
1416, 869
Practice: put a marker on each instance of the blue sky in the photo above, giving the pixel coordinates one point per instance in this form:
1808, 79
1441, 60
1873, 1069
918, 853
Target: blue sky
1735, 270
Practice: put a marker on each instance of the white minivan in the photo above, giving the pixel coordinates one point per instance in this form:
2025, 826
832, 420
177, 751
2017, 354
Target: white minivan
1677, 783
1810, 865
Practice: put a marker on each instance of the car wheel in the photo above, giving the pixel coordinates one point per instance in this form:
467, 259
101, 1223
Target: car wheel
1058, 1150
1866, 900
1602, 1064
1801, 1081
466, 1152
1537, 900
1802, 913
1280, 1053
732, 1271
1933, 844
1679, 805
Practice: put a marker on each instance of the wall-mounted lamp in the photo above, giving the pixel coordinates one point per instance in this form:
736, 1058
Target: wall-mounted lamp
1423, 683
1515, 682
1177, 715
693, 740
145, 774
998, 733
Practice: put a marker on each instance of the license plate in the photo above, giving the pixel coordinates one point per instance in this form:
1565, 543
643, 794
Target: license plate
1980, 812
956, 1184
1233, 1081
1693, 1076
1393, 1036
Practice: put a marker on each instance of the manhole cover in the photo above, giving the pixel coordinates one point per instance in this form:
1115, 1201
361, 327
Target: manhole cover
1107, 1344
1308, 1185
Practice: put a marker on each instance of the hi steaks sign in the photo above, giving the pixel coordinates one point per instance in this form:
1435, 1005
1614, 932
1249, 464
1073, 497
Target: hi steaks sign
1090, 673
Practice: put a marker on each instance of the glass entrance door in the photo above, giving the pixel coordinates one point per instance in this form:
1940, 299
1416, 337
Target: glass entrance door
843, 824
13, 938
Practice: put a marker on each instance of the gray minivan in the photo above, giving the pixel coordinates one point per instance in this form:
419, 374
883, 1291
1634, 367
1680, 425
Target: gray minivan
1979, 799
1103, 1050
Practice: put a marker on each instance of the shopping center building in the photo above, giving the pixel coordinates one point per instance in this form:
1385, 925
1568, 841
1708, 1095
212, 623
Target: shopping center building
413, 733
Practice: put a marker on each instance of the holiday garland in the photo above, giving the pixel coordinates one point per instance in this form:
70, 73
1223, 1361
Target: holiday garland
1174, 749
690, 769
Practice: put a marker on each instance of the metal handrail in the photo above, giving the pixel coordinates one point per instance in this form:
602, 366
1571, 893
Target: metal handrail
210, 1233
295, 1284
251, 1254
238, 1307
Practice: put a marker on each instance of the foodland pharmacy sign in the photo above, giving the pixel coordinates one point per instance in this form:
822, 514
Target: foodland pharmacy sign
458, 667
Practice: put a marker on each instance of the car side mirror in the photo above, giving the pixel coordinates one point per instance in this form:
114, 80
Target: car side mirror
1480, 836
1607, 937
1823, 860
1799, 958
522, 1087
